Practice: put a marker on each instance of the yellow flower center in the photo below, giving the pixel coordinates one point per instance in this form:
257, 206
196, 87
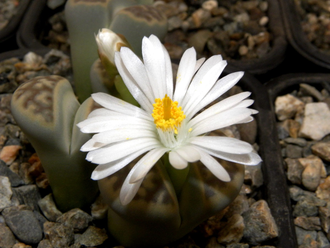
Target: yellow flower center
167, 115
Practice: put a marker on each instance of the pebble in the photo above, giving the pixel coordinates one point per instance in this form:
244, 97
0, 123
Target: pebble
294, 171
93, 236
308, 223
261, 223
75, 218
48, 208
7, 238
311, 175
5, 193
58, 234
232, 231
23, 224
8, 9
323, 190
287, 106
9, 153
316, 115
322, 149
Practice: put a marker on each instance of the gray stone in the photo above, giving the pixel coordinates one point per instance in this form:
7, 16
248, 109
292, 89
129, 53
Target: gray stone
28, 195
45, 243
322, 149
316, 115
5, 193
287, 106
238, 206
293, 151
324, 213
304, 208
7, 238
14, 179
75, 218
232, 231
48, 208
237, 245
296, 141
295, 169
259, 223
23, 224
308, 223
301, 234
59, 235
323, 190
93, 236
322, 239
309, 90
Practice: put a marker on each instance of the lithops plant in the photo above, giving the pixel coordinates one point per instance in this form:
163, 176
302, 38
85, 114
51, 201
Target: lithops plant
158, 214
86, 17
47, 111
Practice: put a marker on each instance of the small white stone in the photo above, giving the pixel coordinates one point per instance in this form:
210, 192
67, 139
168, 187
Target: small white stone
287, 106
316, 122
5, 193
210, 4
263, 21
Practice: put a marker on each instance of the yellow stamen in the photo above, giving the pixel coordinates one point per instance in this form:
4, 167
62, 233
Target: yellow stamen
167, 115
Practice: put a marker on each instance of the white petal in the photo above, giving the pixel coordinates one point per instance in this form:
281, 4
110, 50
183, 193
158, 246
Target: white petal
203, 88
223, 144
129, 190
177, 161
119, 150
221, 86
168, 74
154, 61
142, 167
214, 166
131, 84
246, 159
199, 64
91, 145
105, 170
110, 121
122, 134
186, 71
188, 153
223, 119
202, 82
221, 106
118, 105
136, 68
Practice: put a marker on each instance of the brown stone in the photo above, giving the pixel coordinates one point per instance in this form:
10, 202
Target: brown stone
260, 224
232, 231
322, 149
308, 223
9, 153
323, 190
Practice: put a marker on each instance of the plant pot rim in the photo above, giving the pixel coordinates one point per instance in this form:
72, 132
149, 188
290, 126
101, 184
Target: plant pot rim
277, 53
297, 37
276, 189
10, 29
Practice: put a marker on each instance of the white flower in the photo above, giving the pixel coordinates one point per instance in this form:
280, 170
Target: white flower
169, 120
108, 43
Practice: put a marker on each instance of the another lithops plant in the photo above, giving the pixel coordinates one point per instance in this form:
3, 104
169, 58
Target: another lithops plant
47, 111
85, 18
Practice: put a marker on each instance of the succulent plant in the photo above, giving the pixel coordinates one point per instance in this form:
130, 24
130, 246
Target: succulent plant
85, 18
47, 111
158, 214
